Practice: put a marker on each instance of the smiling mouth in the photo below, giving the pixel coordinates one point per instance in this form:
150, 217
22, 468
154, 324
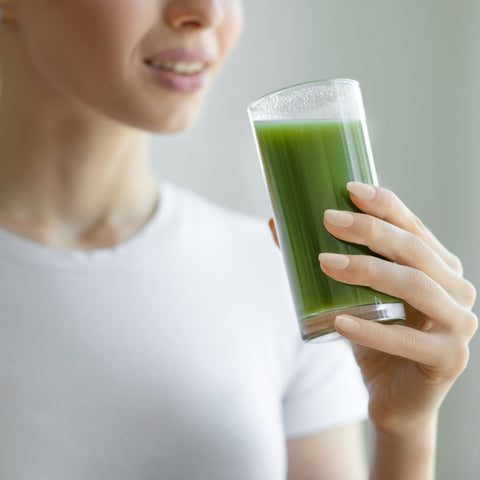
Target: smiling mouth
181, 68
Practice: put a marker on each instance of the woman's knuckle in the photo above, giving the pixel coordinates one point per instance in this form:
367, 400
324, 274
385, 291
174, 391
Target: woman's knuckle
374, 227
378, 334
460, 356
417, 248
407, 342
471, 323
419, 281
370, 267
390, 202
418, 226
469, 292
455, 263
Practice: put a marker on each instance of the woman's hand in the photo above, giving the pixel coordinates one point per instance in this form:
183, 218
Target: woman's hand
409, 368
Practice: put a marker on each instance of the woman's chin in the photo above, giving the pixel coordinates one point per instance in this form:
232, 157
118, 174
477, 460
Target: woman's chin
166, 119
174, 124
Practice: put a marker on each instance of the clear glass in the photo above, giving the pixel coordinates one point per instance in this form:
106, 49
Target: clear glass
312, 139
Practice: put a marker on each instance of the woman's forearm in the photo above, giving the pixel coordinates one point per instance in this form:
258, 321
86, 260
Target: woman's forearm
401, 456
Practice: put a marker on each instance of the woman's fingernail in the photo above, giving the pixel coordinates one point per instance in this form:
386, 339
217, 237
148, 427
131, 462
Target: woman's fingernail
347, 324
338, 218
361, 190
334, 260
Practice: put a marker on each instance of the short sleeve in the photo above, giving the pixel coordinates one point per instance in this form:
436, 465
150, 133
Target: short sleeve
325, 390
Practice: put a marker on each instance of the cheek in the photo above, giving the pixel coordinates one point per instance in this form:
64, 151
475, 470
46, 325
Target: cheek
77, 44
231, 27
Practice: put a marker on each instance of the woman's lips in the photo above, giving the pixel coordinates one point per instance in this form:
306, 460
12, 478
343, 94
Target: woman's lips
179, 82
181, 70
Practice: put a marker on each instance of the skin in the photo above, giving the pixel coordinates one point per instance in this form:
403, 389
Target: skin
80, 179
93, 187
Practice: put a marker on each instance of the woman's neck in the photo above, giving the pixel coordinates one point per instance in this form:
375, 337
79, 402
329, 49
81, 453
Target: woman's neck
70, 185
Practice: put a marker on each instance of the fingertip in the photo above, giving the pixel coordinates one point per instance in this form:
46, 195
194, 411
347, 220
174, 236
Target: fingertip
362, 190
347, 324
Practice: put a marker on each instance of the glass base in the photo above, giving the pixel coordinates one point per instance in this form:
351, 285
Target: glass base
319, 328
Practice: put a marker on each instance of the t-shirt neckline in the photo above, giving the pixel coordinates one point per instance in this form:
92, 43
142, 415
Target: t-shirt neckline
23, 250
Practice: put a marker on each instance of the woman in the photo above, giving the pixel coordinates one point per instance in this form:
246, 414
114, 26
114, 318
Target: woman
146, 333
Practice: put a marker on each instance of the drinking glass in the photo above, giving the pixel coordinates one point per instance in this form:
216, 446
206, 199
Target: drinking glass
312, 139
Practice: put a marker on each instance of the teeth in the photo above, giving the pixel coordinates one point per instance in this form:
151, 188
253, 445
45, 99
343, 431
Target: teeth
178, 67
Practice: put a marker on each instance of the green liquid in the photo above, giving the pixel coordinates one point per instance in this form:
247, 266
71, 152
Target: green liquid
307, 165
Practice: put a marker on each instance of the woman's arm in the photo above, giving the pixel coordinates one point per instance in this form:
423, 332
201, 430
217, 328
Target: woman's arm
340, 454
405, 456
408, 369
337, 454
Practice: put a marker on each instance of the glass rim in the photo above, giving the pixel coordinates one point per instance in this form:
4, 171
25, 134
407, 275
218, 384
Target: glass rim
299, 86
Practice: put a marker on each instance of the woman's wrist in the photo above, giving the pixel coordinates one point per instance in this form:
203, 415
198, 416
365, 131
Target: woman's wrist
406, 427
405, 453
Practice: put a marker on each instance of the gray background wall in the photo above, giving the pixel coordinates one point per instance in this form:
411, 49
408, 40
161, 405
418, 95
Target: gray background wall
417, 62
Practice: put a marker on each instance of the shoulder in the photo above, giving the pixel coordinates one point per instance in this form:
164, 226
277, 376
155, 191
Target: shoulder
206, 219
196, 204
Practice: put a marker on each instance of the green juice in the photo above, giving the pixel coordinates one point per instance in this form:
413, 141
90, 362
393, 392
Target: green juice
307, 165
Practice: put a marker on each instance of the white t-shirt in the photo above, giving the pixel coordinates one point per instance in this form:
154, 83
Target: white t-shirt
174, 355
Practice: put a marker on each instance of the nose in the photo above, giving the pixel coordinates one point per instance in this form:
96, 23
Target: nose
182, 14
